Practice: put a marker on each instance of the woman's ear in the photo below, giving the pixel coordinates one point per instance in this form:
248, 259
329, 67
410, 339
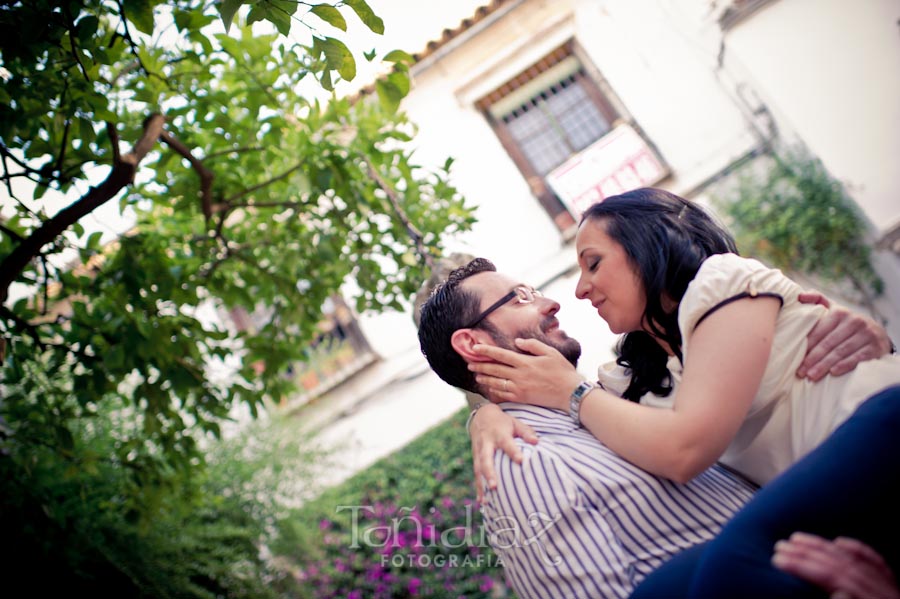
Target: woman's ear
667, 303
463, 340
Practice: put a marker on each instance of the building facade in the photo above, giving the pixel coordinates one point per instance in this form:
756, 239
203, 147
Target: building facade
547, 106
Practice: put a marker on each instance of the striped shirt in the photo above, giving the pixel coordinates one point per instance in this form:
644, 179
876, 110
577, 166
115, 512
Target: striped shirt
576, 520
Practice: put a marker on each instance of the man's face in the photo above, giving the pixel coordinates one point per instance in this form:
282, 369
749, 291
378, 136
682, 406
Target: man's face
534, 320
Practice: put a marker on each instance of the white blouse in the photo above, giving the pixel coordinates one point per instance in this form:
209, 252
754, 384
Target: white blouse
789, 416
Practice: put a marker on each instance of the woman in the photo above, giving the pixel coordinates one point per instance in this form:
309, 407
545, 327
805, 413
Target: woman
715, 339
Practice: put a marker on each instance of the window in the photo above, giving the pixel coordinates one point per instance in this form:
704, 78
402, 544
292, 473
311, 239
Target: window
338, 351
550, 111
555, 123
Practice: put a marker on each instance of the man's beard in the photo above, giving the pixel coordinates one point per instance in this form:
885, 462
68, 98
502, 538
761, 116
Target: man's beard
568, 347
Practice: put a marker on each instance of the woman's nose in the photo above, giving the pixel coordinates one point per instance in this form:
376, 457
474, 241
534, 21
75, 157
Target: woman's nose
582, 288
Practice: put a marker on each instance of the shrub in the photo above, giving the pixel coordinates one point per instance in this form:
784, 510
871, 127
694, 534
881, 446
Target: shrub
68, 527
405, 527
796, 217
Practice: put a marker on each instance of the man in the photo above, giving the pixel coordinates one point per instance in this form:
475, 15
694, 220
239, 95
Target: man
574, 519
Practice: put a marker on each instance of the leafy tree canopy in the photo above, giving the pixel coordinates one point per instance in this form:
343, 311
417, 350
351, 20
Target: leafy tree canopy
248, 193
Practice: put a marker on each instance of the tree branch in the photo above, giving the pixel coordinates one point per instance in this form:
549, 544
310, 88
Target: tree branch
70, 25
250, 190
6, 177
63, 147
8, 154
45, 285
121, 175
234, 151
114, 141
269, 205
414, 233
134, 64
11, 233
206, 175
128, 39
23, 325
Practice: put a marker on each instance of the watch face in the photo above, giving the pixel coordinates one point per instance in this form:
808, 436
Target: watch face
581, 389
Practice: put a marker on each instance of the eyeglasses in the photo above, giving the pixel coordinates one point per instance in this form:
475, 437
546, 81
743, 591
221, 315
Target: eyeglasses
523, 294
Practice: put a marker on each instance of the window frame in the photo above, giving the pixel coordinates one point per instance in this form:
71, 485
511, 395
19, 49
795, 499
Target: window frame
598, 92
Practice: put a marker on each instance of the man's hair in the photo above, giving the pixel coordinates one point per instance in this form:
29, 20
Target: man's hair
448, 309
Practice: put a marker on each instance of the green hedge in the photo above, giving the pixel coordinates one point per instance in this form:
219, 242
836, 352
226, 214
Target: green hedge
67, 527
405, 527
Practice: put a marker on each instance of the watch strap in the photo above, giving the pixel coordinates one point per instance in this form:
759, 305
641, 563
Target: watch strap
578, 395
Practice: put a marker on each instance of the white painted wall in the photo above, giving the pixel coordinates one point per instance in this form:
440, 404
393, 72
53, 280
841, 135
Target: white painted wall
832, 69
828, 69
659, 58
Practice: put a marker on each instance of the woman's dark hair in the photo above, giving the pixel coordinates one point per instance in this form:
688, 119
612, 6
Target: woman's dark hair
666, 239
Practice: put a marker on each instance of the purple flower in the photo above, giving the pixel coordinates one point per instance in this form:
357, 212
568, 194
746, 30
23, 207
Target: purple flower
354, 595
324, 524
413, 586
486, 584
428, 532
374, 575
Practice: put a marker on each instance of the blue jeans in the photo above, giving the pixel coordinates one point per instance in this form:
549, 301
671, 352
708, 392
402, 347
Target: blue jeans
848, 486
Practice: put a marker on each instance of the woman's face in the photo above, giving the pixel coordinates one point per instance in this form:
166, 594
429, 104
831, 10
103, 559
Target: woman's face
608, 280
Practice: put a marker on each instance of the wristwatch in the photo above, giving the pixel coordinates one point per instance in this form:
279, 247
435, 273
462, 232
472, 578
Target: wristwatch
576, 398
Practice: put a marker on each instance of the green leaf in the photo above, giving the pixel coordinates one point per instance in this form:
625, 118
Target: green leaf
330, 15
399, 56
281, 20
64, 436
259, 12
140, 12
115, 357
400, 79
370, 55
365, 14
39, 191
86, 27
93, 240
227, 9
326, 80
388, 95
339, 58
86, 130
